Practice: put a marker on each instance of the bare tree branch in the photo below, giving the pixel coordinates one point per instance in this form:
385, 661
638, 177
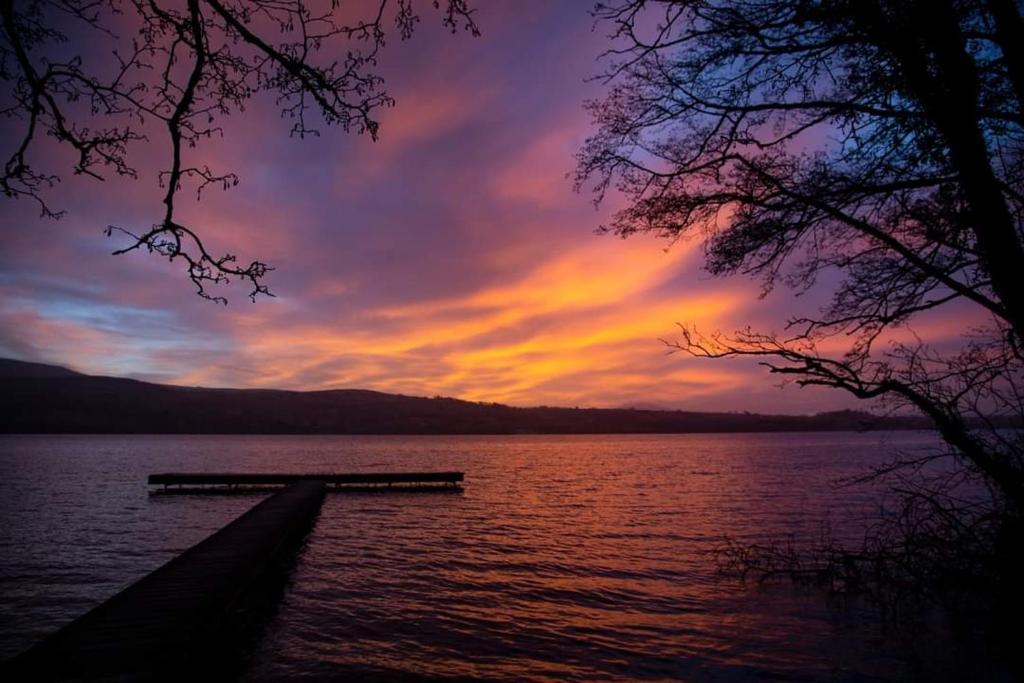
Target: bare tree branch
183, 66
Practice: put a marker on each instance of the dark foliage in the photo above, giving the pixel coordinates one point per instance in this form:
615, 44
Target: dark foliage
875, 144
870, 149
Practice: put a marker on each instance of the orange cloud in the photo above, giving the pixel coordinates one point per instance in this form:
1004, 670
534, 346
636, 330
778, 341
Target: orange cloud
582, 328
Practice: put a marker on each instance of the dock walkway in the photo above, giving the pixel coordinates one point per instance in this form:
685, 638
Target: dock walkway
192, 482
167, 620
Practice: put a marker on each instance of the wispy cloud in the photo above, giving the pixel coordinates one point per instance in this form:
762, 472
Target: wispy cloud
450, 257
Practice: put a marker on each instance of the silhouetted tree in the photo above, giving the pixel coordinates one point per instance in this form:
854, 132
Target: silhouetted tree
873, 147
182, 65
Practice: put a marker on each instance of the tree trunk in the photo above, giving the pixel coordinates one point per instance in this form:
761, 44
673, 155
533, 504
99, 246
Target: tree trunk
958, 118
930, 49
1010, 38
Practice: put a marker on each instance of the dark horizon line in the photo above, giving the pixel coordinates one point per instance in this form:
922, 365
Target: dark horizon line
56, 370
46, 399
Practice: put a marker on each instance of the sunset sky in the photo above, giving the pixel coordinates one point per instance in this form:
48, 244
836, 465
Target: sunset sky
451, 257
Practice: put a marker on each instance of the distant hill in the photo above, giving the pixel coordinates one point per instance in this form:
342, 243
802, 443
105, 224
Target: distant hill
36, 398
16, 368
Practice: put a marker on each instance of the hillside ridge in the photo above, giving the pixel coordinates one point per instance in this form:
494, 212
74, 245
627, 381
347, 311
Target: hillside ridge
39, 398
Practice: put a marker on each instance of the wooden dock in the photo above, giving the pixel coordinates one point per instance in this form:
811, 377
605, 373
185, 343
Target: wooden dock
167, 625
221, 482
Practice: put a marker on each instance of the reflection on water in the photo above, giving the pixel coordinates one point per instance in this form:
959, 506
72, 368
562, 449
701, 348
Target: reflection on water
582, 557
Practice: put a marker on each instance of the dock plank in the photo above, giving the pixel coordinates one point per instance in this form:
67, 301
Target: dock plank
268, 478
163, 622
228, 482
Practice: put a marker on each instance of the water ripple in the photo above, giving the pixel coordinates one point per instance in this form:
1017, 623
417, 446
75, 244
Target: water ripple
566, 558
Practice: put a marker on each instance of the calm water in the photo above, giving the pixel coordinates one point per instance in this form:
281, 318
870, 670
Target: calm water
576, 557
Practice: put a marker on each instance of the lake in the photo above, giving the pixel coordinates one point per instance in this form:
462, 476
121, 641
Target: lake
566, 557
